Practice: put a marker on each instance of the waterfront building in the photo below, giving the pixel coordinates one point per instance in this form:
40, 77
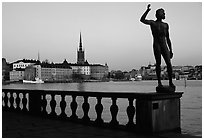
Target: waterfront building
177, 68
17, 74
99, 71
148, 73
56, 72
179, 72
30, 73
5, 70
23, 63
38, 69
81, 69
19, 68
60, 72
187, 68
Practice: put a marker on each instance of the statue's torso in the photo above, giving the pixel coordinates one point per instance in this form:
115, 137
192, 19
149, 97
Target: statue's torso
159, 31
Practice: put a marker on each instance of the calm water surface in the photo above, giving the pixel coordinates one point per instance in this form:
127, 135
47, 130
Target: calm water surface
191, 102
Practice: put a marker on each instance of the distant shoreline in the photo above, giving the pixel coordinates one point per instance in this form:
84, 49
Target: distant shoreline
84, 81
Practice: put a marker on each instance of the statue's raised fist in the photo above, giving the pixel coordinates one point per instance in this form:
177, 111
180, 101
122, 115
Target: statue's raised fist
148, 7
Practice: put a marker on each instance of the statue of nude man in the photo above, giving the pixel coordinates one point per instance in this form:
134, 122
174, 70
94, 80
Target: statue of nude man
160, 32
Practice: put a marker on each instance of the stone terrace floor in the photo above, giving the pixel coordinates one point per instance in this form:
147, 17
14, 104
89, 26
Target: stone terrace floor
16, 125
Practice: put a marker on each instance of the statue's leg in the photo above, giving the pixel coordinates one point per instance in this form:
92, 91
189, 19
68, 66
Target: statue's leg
157, 54
166, 56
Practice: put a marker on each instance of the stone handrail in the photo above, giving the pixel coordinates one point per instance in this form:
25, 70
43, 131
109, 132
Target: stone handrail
149, 107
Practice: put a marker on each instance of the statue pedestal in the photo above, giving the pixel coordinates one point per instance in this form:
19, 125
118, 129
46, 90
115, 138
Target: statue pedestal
165, 89
158, 112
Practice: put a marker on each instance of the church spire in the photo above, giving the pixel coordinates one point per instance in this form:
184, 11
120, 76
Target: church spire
80, 53
38, 56
80, 43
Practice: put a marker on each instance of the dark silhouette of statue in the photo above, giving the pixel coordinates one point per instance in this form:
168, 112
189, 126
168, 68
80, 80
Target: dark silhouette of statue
161, 44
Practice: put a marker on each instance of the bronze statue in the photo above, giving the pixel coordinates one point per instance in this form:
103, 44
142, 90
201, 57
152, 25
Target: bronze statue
160, 32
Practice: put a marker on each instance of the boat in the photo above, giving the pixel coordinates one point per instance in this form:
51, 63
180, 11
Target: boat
37, 81
138, 77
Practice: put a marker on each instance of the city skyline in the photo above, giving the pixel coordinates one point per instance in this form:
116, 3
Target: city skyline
111, 32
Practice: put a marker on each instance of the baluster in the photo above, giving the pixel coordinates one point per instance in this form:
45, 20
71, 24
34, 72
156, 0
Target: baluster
53, 105
44, 105
85, 108
73, 108
14, 97
99, 110
63, 105
130, 113
6, 100
114, 111
11, 101
24, 102
18, 100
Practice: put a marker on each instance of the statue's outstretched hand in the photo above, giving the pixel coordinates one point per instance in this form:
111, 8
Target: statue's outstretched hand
148, 7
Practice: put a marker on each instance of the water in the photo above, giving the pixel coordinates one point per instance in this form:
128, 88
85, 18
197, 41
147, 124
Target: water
191, 102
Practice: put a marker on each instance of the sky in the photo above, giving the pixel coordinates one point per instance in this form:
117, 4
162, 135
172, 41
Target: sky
111, 32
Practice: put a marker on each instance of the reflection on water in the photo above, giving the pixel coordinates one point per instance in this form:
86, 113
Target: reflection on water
80, 86
191, 102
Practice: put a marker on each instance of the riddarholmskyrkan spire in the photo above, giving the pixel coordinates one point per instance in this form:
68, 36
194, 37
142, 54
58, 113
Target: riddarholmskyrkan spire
80, 52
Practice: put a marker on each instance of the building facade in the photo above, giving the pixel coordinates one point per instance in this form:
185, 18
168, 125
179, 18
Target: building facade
21, 64
49, 72
19, 70
56, 72
30, 73
5, 70
17, 75
99, 71
81, 69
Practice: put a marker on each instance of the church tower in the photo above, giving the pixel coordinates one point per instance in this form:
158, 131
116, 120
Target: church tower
80, 53
38, 56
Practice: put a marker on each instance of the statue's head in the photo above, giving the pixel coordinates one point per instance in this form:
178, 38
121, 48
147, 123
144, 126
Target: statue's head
160, 14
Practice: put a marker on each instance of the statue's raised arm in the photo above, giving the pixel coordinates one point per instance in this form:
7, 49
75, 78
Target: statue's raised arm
143, 18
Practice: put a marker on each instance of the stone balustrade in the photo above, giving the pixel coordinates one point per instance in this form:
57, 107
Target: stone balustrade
155, 112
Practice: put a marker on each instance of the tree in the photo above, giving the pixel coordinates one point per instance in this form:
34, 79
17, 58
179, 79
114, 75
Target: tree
119, 75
